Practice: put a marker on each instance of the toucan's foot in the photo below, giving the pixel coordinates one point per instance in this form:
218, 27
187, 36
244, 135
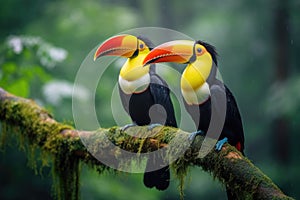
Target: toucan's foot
152, 126
193, 135
128, 126
220, 143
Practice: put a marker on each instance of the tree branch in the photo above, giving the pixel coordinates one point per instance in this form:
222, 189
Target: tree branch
41, 130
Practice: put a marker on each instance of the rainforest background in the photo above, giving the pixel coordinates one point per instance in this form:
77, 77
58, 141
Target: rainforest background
43, 43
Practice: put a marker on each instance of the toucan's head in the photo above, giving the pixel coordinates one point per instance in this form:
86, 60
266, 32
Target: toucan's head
129, 46
198, 56
181, 51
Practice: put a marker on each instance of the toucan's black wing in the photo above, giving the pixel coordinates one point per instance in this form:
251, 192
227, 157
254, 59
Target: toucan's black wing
161, 95
234, 120
225, 112
217, 109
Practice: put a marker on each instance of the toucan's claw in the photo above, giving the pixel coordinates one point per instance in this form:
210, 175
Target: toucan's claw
152, 126
220, 143
193, 135
124, 128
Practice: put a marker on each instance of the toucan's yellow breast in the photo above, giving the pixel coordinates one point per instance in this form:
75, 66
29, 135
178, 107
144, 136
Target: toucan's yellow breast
133, 68
191, 79
196, 73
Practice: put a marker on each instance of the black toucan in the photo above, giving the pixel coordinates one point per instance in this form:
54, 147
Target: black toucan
200, 88
145, 95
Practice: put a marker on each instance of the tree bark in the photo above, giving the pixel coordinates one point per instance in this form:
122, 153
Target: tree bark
229, 166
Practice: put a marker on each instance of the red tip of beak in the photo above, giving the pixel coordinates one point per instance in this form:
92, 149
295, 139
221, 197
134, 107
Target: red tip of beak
157, 56
174, 51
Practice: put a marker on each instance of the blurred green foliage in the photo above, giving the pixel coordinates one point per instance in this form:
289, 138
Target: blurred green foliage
24, 63
244, 34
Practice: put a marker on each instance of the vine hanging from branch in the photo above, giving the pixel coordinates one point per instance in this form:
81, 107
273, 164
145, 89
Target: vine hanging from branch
35, 125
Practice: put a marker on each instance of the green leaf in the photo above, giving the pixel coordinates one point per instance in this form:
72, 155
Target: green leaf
9, 68
19, 88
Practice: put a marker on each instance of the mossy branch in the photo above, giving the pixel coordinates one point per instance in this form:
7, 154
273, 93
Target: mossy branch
38, 127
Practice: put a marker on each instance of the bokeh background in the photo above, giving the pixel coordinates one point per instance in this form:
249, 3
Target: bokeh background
43, 43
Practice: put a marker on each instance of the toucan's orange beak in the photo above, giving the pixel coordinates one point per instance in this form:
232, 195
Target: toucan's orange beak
120, 45
178, 51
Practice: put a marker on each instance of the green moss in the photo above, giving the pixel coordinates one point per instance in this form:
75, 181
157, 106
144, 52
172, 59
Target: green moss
41, 139
180, 168
66, 174
177, 148
3, 136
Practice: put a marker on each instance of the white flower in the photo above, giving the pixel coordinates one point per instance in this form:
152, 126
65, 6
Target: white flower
48, 54
15, 43
55, 91
57, 54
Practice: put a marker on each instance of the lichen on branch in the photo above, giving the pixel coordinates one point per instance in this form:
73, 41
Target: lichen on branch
38, 129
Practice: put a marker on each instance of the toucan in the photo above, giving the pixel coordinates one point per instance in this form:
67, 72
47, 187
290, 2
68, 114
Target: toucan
144, 94
200, 87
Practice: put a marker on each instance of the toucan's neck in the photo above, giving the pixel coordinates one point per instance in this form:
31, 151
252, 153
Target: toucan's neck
194, 87
133, 68
196, 73
134, 77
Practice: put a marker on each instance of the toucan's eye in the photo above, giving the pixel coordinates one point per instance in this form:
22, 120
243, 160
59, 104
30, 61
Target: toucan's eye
199, 50
141, 46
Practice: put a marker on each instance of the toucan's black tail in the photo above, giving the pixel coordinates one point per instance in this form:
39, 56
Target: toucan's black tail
159, 178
